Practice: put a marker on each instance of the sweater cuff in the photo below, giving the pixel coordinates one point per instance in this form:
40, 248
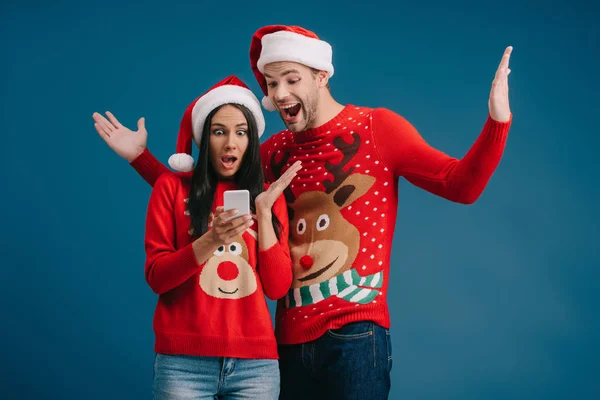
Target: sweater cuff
186, 258
497, 131
273, 257
144, 162
148, 166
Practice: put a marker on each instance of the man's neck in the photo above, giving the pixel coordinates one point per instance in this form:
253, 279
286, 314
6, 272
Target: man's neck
328, 110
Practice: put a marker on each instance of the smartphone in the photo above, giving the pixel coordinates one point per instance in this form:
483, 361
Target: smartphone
238, 199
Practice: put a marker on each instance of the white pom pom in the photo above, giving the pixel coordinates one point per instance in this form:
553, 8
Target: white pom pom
181, 162
268, 104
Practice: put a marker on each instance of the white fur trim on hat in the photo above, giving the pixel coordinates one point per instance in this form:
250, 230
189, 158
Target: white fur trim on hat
294, 47
181, 162
224, 95
268, 104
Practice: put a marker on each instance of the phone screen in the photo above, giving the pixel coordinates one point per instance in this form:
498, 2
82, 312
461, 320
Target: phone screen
237, 199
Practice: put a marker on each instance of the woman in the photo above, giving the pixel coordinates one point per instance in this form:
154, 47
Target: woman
214, 336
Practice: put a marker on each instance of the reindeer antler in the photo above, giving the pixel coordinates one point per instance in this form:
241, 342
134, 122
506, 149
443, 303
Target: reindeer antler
277, 168
349, 150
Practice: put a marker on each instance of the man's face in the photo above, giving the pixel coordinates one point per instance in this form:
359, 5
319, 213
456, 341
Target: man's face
294, 89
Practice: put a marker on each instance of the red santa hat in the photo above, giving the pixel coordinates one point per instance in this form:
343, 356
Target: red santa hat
287, 43
229, 90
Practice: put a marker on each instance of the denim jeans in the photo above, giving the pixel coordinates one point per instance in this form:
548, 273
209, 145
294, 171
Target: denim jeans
191, 377
353, 362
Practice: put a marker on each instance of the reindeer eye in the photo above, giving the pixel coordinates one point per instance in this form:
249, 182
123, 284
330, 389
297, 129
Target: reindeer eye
219, 251
323, 222
235, 248
301, 227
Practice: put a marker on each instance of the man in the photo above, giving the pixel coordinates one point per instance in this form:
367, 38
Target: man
333, 325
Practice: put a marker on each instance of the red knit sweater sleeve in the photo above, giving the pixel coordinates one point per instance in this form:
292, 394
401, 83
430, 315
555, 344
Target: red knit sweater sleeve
166, 266
148, 167
275, 263
404, 151
264, 159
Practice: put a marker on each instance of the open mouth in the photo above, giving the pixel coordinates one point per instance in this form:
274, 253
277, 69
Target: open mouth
319, 272
228, 161
224, 292
290, 111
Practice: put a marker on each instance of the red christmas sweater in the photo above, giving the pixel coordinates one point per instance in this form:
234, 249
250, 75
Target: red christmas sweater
342, 208
217, 308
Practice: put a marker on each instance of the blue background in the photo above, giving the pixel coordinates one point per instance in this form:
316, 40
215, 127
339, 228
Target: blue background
497, 300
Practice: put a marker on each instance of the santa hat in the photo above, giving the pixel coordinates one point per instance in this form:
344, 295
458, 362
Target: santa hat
229, 90
287, 43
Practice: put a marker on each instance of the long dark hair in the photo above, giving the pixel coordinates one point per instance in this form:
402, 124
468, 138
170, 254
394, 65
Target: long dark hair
205, 179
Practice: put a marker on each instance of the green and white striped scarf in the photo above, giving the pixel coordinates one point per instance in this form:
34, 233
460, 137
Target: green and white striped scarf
349, 286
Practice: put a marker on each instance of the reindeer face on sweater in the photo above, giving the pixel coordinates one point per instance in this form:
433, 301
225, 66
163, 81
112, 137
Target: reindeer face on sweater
227, 274
323, 243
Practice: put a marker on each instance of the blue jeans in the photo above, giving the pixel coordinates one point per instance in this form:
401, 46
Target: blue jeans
191, 377
353, 362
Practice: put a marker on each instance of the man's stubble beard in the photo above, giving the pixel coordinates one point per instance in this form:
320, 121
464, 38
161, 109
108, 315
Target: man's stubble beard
309, 110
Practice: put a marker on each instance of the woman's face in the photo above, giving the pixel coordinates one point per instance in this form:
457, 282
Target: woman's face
228, 141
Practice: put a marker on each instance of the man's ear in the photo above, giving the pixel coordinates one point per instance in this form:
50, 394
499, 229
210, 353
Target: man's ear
322, 78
